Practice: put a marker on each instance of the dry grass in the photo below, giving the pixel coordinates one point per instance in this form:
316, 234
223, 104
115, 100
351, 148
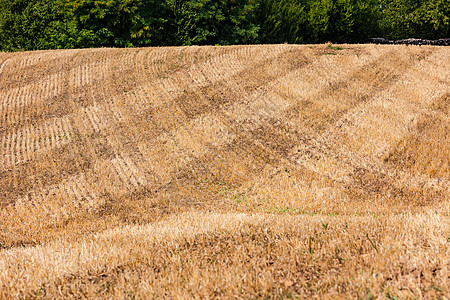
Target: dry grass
231, 172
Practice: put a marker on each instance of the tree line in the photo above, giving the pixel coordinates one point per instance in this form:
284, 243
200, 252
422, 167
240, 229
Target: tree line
59, 24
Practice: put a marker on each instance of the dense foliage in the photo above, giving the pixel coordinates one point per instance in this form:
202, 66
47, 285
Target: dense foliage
342, 20
429, 19
213, 22
282, 21
311, 21
38, 24
121, 23
55, 24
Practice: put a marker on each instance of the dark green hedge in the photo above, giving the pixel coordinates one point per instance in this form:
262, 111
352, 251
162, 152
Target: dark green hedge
56, 24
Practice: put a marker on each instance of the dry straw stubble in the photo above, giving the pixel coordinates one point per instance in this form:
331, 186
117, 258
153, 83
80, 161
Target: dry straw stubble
243, 171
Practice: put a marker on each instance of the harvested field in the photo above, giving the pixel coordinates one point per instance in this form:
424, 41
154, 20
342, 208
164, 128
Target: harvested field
226, 172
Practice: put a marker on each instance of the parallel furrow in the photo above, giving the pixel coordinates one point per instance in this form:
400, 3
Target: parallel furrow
52, 204
21, 105
92, 115
24, 69
123, 122
127, 171
22, 144
4, 60
196, 137
250, 139
121, 168
359, 141
37, 58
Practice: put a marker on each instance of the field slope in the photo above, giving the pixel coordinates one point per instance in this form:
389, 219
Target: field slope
230, 172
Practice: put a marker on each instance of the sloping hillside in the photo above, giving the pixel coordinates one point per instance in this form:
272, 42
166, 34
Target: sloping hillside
244, 171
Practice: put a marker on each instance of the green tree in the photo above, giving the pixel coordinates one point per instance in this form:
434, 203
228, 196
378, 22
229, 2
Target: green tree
282, 21
342, 20
204, 22
428, 19
121, 23
38, 24
312, 21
